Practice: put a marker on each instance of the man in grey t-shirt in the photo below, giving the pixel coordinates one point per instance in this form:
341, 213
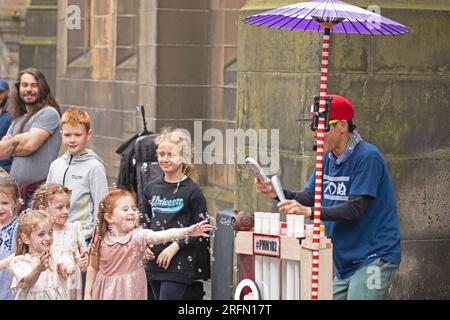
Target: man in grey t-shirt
33, 138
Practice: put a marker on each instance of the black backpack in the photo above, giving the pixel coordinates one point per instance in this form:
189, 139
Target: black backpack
146, 167
136, 154
127, 176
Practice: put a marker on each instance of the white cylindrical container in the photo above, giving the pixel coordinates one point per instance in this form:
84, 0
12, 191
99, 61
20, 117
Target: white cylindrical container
258, 222
290, 225
299, 226
275, 224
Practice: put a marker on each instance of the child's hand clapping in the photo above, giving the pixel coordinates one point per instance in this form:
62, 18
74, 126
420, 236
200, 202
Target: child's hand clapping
62, 270
199, 229
44, 261
65, 268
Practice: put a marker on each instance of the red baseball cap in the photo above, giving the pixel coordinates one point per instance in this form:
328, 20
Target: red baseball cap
341, 108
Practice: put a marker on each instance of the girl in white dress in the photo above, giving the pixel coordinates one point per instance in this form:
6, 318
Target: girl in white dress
35, 276
68, 250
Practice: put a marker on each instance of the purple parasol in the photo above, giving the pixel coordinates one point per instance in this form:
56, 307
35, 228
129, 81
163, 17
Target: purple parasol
308, 16
325, 16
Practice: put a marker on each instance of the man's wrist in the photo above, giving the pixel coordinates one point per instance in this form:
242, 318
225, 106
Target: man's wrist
14, 146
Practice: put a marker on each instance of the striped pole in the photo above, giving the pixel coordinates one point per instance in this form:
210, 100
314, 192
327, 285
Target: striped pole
319, 166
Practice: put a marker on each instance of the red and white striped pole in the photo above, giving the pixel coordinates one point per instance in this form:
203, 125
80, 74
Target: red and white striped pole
319, 166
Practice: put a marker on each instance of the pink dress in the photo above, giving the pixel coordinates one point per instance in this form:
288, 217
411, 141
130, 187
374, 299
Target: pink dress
121, 274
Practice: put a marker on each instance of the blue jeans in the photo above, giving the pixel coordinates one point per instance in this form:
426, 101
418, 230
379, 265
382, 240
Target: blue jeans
168, 290
368, 283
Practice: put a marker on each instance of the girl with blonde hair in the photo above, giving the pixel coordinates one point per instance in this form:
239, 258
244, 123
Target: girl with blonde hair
69, 250
175, 200
35, 275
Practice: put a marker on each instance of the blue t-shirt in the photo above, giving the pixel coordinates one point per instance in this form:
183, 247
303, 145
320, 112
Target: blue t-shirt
376, 234
5, 122
7, 247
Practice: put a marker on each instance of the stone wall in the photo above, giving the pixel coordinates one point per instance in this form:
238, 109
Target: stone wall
221, 99
176, 57
400, 88
12, 28
38, 46
91, 75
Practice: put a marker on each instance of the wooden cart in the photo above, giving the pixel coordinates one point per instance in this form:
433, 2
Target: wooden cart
291, 248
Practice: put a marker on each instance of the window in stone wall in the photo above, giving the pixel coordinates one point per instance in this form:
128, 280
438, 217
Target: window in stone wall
127, 33
78, 36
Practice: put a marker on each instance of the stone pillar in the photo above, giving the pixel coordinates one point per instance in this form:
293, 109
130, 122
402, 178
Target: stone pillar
38, 47
103, 37
182, 62
221, 111
399, 86
147, 59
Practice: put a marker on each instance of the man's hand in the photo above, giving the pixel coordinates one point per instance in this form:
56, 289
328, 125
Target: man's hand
262, 188
8, 146
293, 207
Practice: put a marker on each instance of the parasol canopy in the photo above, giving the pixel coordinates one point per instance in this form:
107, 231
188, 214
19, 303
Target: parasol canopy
308, 16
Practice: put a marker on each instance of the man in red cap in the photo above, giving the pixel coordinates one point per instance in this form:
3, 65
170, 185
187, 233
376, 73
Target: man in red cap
358, 207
